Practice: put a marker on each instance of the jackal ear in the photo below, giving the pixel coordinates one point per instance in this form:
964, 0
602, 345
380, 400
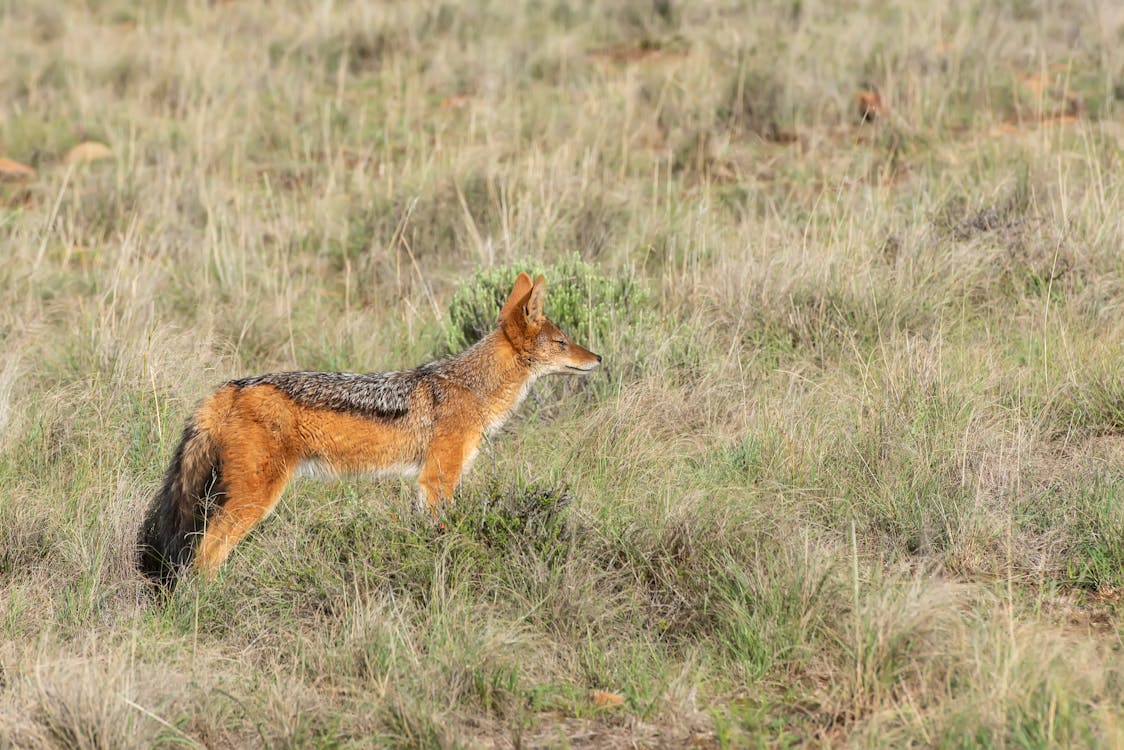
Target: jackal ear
533, 310
518, 294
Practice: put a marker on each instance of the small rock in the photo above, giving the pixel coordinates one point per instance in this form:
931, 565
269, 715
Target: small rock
88, 151
605, 699
870, 105
13, 170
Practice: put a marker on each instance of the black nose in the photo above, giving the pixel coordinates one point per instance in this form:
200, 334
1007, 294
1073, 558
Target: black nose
598, 357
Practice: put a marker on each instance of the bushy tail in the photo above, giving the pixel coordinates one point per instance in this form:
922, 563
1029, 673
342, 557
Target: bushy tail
192, 488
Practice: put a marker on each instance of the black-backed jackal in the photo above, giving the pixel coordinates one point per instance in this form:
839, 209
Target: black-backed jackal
246, 440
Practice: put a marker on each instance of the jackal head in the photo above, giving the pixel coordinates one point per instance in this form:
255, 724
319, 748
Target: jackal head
537, 341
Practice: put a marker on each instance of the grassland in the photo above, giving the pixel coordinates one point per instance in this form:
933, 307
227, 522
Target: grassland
852, 474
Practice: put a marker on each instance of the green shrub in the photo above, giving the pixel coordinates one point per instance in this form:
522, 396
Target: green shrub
581, 300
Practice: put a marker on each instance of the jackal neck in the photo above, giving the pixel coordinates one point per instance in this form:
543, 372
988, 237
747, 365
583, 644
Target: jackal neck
493, 371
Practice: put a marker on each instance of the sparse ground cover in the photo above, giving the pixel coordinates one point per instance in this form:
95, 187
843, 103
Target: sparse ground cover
852, 474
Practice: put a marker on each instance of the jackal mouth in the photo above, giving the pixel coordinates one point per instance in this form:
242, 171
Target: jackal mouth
589, 368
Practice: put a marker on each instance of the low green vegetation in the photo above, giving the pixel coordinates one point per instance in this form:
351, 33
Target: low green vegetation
584, 301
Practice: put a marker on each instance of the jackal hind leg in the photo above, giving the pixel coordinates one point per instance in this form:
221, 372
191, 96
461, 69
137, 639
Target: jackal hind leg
249, 500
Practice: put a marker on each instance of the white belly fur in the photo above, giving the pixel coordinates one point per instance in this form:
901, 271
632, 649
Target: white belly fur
320, 469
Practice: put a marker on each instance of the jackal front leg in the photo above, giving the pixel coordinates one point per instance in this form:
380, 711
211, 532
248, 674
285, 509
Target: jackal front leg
449, 457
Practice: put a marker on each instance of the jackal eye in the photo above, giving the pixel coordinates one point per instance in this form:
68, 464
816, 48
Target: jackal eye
561, 342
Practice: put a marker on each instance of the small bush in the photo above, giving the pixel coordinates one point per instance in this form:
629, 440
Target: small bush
580, 299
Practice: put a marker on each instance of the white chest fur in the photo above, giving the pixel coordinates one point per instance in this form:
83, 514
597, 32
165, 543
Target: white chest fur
498, 420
